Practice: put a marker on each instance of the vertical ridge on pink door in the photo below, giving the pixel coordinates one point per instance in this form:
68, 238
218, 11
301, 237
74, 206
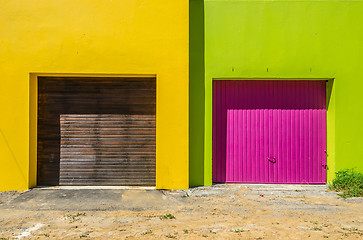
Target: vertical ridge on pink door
269, 131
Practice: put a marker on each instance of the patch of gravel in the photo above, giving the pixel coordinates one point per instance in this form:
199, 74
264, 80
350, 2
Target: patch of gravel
354, 200
202, 191
6, 197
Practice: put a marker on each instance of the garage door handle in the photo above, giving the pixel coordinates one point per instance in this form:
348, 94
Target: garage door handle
273, 160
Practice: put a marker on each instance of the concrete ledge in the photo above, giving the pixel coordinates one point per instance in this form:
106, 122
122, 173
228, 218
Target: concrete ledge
96, 187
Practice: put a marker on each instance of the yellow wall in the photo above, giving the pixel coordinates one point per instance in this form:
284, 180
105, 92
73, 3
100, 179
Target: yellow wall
92, 37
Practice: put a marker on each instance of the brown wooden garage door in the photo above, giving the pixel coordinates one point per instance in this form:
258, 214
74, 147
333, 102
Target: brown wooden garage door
96, 131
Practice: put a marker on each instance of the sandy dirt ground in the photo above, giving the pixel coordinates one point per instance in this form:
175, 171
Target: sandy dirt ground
217, 212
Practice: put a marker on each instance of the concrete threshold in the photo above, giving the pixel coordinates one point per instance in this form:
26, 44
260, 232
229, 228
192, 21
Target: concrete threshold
281, 187
96, 187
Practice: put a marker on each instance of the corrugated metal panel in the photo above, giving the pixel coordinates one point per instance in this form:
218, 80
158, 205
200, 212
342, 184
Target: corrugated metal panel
82, 96
107, 149
269, 131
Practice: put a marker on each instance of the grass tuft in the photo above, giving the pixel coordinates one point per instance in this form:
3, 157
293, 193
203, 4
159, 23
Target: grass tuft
147, 232
349, 182
44, 234
74, 217
170, 236
167, 216
353, 230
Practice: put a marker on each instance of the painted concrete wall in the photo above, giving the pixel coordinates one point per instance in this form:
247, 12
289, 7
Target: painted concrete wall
291, 39
93, 37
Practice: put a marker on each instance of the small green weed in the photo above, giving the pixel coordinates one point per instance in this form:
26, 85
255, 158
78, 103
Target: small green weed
74, 217
170, 236
185, 231
2, 238
44, 234
239, 230
316, 228
353, 230
146, 232
350, 229
83, 236
167, 216
325, 236
349, 182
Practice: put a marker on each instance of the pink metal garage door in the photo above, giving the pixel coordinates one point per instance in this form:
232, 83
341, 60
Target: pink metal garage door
269, 131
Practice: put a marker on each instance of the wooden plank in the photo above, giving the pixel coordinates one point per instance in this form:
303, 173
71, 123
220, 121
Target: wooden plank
74, 171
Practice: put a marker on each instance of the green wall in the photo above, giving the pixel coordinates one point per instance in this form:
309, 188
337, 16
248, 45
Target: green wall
196, 92
290, 39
